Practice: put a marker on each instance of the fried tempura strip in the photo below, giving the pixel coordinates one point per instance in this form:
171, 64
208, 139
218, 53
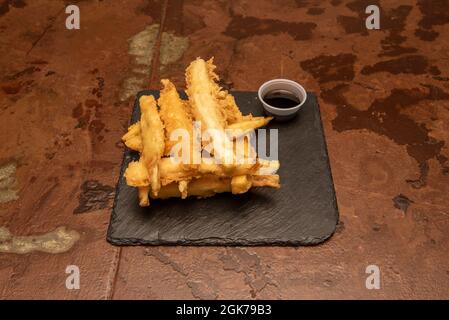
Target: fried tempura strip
182, 187
229, 108
135, 143
133, 130
143, 192
267, 167
170, 171
208, 186
152, 133
174, 114
136, 174
243, 127
202, 91
178, 124
202, 187
132, 138
241, 184
271, 181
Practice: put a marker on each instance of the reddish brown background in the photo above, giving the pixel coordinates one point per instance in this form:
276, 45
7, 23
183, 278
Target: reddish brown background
384, 97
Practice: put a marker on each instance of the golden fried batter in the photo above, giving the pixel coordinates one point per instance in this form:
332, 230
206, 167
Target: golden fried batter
132, 138
158, 175
152, 133
203, 94
174, 113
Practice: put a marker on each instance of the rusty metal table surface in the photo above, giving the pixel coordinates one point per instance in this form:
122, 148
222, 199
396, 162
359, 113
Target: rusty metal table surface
66, 98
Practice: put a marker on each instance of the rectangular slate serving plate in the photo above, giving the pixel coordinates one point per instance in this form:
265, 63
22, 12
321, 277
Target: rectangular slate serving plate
302, 212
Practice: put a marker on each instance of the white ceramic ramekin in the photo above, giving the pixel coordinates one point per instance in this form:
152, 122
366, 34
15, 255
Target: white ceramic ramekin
287, 85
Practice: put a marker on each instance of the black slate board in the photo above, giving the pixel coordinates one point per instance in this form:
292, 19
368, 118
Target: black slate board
302, 212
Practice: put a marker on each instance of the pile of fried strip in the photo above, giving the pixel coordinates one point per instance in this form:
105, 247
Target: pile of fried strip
160, 173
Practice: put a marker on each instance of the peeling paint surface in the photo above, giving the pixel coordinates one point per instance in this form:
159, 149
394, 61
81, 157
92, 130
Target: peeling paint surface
141, 48
172, 49
141, 45
8, 184
58, 241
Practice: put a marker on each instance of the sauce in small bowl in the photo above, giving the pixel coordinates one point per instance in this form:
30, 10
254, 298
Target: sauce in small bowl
282, 98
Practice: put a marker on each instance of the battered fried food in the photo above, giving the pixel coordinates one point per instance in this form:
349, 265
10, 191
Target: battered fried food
203, 94
178, 123
136, 174
159, 173
241, 184
171, 171
175, 115
243, 127
132, 138
210, 185
229, 108
152, 134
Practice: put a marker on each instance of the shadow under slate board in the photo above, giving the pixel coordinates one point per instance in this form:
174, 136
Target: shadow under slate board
302, 212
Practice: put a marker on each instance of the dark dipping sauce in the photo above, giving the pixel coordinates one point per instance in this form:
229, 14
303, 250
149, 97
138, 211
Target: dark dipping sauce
281, 99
